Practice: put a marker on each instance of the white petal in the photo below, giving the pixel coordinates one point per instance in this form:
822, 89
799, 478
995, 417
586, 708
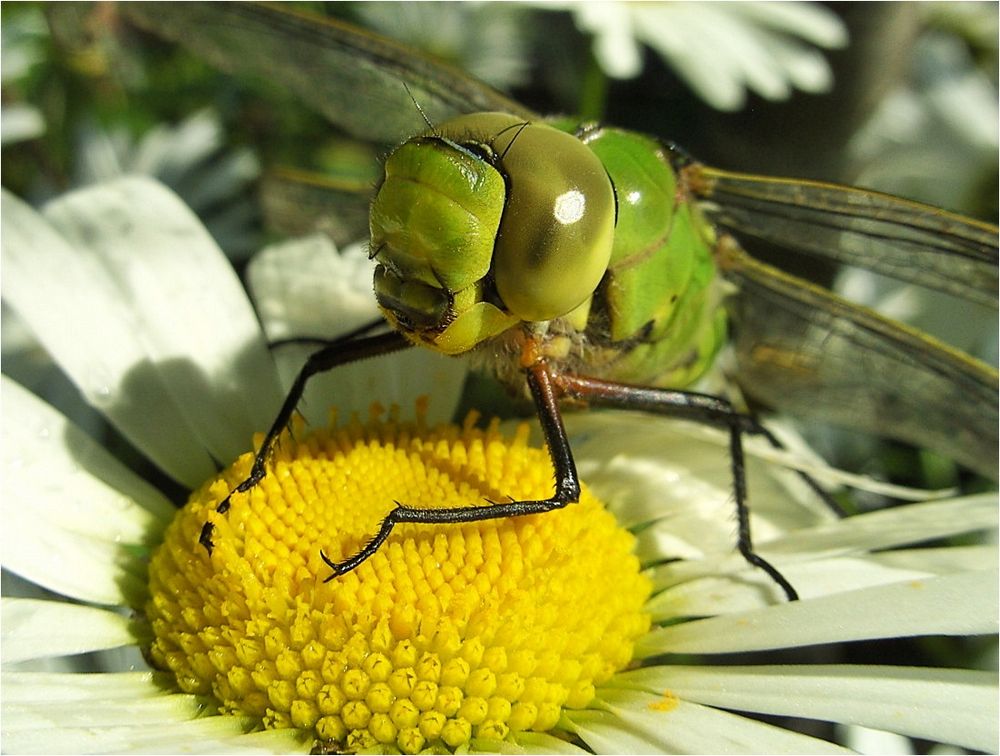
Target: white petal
52, 285
748, 50
677, 485
830, 559
898, 526
960, 604
947, 705
798, 456
688, 38
399, 379
167, 151
604, 732
818, 560
614, 43
123, 657
75, 565
648, 468
19, 122
540, 742
876, 742
618, 55
826, 576
677, 726
745, 45
42, 687
809, 21
708, 587
197, 324
164, 709
940, 560
33, 629
714, 585
129, 363
72, 513
803, 67
521, 745
212, 734
123, 712
306, 287
105, 498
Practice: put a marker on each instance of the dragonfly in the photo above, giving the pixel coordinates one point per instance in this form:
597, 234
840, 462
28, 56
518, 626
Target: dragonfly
582, 264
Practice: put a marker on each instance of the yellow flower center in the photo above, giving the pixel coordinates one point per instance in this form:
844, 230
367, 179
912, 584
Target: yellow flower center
448, 633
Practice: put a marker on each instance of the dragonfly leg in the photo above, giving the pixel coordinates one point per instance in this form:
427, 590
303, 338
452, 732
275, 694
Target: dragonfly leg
545, 395
336, 353
341, 341
702, 408
752, 426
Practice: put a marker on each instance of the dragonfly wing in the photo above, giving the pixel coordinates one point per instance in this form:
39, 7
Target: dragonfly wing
808, 352
906, 240
357, 80
296, 203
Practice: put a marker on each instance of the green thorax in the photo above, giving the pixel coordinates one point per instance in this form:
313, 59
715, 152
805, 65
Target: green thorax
657, 317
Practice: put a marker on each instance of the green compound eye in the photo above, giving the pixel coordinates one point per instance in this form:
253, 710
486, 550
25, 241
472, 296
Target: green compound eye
557, 230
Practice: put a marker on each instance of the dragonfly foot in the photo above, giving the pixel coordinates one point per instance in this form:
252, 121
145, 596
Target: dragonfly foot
332, 565
758, 561
342, 568
205, 539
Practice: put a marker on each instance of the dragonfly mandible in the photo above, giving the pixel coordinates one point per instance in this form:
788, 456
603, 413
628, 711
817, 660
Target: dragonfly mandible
624, 305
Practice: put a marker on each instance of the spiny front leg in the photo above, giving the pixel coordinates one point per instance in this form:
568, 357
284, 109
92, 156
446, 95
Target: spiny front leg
567, 489
334, 354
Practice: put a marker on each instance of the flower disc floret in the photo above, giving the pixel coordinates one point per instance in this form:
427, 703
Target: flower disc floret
448, 633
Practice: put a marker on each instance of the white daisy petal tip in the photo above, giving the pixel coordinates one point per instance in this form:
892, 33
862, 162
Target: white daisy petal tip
307, 287
720, 50
34, 629
153, 347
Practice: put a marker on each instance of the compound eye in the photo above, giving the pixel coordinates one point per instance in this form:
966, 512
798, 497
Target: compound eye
557, 230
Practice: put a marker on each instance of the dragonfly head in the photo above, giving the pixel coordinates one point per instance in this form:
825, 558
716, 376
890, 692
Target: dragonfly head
487, 222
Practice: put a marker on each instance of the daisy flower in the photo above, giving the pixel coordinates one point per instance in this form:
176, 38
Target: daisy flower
592, 629
721, 50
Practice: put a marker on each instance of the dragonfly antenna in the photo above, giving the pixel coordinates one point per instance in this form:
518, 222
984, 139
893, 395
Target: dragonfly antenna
520, 127
417, 106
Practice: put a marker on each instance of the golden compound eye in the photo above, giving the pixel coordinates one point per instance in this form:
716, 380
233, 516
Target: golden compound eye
558, 227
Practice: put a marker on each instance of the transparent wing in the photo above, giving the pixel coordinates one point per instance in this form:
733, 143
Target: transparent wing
906, 240
357, 80
808, 352
296, 203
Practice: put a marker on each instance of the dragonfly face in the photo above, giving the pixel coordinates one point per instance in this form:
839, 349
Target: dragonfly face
489, 222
